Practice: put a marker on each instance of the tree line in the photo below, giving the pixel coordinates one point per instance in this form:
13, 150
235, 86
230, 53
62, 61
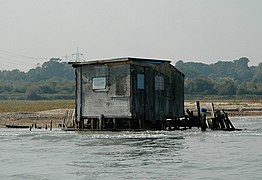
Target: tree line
227, 78
55, 79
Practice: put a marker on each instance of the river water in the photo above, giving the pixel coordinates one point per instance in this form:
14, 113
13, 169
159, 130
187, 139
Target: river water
189, 154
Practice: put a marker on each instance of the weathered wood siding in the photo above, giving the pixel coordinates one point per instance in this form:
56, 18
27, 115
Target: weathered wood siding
113, 100
163, 93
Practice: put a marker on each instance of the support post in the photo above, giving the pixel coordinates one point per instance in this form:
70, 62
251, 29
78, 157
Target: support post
51, 125
203, 122
114, 124
81, 124
129, 123
140, 123
212, 110
92, 123
198, 109
100, 123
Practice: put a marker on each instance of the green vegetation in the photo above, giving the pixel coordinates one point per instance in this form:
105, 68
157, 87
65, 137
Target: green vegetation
55, 80
35, 106
232, 79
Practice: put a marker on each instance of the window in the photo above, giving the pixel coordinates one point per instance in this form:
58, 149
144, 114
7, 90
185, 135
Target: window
99, 83
140, 81
159, 83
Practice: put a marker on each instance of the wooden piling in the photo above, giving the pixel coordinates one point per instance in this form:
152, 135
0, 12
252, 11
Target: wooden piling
81, 124
140, 123
92, 123
228, 122
203, 122
129, 123
114, 123
101, 122
198, 109
212, 110
51, 125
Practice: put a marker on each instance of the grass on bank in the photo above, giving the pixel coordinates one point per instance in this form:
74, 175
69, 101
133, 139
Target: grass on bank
43, 105
35, 106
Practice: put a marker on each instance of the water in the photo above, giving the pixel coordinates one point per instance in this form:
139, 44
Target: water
190, 154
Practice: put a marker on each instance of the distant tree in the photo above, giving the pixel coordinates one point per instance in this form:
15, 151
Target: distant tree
32, 93
257, 78
225, 86
200, 85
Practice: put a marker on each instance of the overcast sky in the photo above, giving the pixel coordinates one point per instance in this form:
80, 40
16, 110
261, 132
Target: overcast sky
33, 31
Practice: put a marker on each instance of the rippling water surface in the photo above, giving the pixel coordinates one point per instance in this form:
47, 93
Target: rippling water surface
190, 154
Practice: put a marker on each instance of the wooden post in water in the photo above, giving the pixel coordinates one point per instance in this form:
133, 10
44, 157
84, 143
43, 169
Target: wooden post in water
114, 123
73, 117
212, 110
198, 113
129, 123
92, 123
81, 124
203, 122
51, 125
65, 117
101, 122
228, 122
140, 123
198, 109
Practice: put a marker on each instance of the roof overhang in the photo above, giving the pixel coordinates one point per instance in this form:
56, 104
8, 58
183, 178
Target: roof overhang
115, 60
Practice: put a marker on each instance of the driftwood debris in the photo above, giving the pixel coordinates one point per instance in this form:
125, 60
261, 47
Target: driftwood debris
218, 121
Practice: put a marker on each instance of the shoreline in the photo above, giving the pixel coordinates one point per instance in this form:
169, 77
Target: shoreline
43, 118
243, 108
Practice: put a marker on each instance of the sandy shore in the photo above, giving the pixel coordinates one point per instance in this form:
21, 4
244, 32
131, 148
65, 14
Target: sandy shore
44, 118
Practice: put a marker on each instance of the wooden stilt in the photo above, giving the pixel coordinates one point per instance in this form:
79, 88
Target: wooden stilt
51, 125
129, 123
203, 122
140, 123
198, 109
212, 110
100, 122
81, 124
92, 123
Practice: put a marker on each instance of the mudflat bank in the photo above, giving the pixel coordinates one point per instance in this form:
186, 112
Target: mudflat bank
242, 108
43, 119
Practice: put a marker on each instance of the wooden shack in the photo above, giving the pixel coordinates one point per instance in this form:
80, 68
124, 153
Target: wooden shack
127, 93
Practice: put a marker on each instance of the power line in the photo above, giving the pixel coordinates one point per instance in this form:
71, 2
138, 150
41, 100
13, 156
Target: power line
8, 53
11, 60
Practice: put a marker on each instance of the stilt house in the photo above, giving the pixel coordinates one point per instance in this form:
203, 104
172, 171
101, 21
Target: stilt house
127, 93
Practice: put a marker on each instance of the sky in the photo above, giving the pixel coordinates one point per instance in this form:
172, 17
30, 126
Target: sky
207, 31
